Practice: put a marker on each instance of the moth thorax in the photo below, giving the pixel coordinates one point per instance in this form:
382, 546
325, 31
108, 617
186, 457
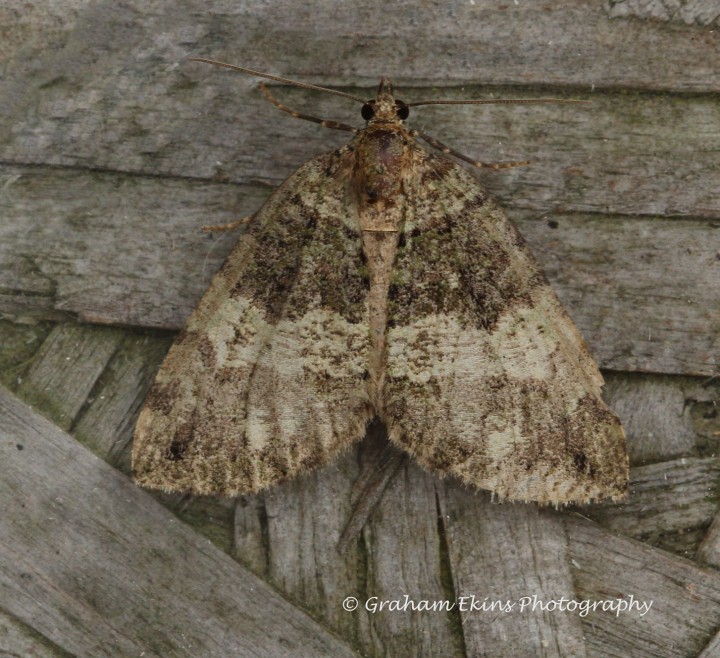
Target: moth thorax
383, 155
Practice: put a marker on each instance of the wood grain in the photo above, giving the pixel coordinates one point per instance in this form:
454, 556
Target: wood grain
477, 533
608, 566
656, 413
671, 503
99, 568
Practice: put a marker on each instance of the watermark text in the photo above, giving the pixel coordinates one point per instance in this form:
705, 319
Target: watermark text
524, 604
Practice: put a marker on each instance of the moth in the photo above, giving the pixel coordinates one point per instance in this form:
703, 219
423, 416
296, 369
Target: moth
381, 281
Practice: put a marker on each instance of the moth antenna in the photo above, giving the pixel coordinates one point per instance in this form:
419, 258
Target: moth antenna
476, 163
499, 101
303, 85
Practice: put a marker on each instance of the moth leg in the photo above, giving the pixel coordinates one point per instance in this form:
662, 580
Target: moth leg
326, 123
476, 163
230, 226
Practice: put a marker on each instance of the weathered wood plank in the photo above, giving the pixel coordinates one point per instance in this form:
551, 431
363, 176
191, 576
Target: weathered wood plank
712, 649
523, 43
638, 307
671, 503
709, 550
107, 422
99, 568
494, 557
623, 154
66, 369
19, 640
19, 343
505, 554
144, 109
685, 612
305, 518
403, 532
57, 227
599, 266
94, 380
655, 414
250, 541
703, 12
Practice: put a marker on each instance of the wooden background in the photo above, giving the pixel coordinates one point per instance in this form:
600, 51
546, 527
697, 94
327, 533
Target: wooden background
114, 151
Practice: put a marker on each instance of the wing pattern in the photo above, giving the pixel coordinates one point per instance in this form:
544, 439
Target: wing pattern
268, 378
487, 376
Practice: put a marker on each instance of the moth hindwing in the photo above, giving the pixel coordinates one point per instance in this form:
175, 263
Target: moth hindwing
382, 281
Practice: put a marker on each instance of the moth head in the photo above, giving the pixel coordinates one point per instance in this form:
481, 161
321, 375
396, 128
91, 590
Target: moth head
385, 108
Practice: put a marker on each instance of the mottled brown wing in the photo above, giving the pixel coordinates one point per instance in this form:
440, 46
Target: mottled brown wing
267, 379
488, 379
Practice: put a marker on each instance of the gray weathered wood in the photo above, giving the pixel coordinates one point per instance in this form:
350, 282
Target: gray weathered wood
105, 373
304, 522
689, 13
99, 568
108, 421
709, 550
523, 43
622, 154
686, 598
20, 640
618, 279
79, 243
507, 553
670, 503
19, 343
379, 463
305, 518
250, 541
712, 649
655, 414
407, 510
67, 368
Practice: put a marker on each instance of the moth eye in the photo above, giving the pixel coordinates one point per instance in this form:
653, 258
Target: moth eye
368, 111
402, 110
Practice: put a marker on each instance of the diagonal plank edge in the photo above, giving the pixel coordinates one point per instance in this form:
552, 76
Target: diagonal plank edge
685, 598
97, 566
